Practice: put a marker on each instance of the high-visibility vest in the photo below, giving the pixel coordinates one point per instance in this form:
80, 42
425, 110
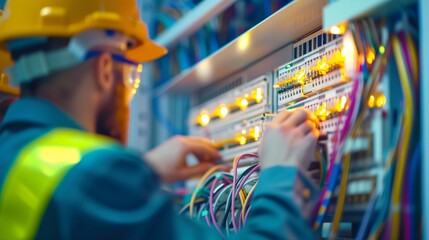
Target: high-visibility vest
35, 175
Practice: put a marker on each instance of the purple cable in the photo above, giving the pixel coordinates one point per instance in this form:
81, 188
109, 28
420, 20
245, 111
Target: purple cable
406, 52
243, 182
234, 182
406, 210
386, 234
226, 179
212, 214
406, 214
342, 134
247, 214
207, 220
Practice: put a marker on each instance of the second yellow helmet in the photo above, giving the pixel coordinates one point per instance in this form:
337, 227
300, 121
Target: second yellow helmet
5, 86
67, 18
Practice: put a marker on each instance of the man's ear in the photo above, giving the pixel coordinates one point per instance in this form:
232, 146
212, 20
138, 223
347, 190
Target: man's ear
104, 76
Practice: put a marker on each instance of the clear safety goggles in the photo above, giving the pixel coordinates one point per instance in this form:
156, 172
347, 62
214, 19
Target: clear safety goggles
130, 70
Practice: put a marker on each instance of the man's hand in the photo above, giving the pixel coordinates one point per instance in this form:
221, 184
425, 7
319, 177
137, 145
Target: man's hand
290, 139
169, 159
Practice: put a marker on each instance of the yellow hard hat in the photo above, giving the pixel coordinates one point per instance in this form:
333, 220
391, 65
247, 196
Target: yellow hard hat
67, 18
6, 61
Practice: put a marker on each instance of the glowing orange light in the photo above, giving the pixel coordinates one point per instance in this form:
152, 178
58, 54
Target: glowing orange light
371, 101
322, 113
335, 30
259, 97
243, 103
256, 133
370, 57
300, 76
243, 140
381, 101
204, 118
223, 111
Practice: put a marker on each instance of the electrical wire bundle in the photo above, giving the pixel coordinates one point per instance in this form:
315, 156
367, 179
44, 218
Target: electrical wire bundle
396, 200
222, 198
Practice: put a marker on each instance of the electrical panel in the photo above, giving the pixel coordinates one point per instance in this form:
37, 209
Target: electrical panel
233, 119
354, 84
320, 79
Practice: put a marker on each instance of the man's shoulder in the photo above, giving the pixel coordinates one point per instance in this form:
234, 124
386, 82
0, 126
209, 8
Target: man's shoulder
85, 145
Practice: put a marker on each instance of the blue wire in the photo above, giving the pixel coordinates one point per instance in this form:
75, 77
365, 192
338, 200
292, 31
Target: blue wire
385, 200
366, 218
414, 167
387, 179
331, 187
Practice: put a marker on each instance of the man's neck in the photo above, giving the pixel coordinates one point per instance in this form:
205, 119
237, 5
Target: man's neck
78, 108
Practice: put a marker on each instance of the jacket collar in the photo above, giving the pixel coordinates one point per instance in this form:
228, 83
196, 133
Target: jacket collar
36, 111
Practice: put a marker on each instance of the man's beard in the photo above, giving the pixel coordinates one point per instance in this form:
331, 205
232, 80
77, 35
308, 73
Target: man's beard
113, 117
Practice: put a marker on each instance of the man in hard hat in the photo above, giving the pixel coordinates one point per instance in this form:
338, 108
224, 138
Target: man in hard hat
64, 173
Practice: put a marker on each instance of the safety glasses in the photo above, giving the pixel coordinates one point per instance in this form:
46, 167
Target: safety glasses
130, 70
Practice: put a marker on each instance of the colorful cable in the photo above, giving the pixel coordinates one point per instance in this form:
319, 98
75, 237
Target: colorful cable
403, 152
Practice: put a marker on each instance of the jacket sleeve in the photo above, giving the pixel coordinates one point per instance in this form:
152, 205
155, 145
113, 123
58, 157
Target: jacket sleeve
110, 195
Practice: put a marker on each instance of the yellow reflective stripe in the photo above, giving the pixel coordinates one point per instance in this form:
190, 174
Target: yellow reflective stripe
35, 175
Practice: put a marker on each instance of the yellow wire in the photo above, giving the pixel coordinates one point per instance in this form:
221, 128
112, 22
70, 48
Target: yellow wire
242, 193
366, 95
408, 121
346, 164
341, 197
414, 58
200, 183
242, 196
243, 210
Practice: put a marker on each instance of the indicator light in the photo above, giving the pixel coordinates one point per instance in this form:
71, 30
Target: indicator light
204, 118
371, 101
335, 30
370, 56
256, 133
242, 140
223, 111
243, 103
322, 113
341, 104
259, 97
381, 101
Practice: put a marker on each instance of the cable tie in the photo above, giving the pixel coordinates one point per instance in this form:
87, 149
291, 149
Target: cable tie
204, 213
219, 176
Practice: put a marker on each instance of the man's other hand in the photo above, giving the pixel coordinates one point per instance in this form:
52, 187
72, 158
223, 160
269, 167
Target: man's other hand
169, 159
